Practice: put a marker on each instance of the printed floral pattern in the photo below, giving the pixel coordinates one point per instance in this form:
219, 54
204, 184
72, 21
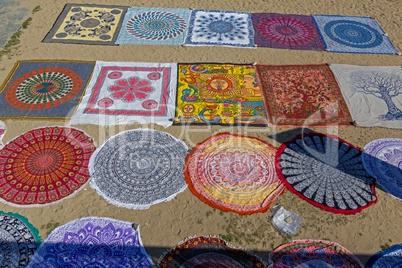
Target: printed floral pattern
131, 89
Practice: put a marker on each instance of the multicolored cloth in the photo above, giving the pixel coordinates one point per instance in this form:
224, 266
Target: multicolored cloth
312, 253
288, 31
327, 172
208, 252
388, 258
234, 173
87, 24
220, 28
372, 93
138, 168
219, 94
383, 160
2, 131
44, 165
302, 95
92, 242
154, 26
127, 92
40, 89
18, 240
350, 34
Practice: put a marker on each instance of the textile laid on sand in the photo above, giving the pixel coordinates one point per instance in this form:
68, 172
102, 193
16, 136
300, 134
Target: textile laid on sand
126, 92
219, 94
154, 26
87, 24
353, 35
2, 132
138, 168
19, 240
220, 28
92, 242
302, 95
40, 89
312, 253
383, 160
44, 165
234, 173
327, 172
372, 93
288, 31
208, 252
388, 258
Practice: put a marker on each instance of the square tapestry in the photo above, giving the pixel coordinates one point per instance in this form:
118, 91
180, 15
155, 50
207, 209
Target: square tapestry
220, 28
219, 94
87, 24
302, 95
350, 34
127, 92
41, 89
286, 31
154, 26
372, 93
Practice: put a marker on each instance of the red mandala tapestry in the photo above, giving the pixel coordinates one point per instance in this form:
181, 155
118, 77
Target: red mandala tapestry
302, 95
234, 173
44, 165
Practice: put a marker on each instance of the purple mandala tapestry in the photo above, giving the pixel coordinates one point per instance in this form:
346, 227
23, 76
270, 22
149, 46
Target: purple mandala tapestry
286, 31
92, 242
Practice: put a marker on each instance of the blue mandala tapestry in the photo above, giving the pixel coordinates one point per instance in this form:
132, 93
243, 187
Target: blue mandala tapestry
92, 242
41, 89
154, 26
220, 28
390, 257
349, 34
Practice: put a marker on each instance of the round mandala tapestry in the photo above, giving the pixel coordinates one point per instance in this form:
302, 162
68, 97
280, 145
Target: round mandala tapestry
92, 242
208, 252
234, 173
138, 168
327, 172
156, 25
383, 160
353, 34
44, 165
312, 253
388, 258
286, 31
44, 88
18, 240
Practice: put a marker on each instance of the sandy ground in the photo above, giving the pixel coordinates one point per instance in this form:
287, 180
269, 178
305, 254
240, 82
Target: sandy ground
164, 225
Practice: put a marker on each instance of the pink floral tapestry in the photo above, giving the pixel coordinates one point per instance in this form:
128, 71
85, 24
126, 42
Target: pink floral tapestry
127, 92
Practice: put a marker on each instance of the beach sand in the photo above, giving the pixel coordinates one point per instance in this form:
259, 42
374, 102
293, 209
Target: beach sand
165, 224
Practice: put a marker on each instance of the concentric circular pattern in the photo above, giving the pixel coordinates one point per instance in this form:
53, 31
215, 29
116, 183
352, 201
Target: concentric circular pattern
138, 168
93, 243
312, 253
383, 160
156, 25
390, 257
286, 31
327, 172
208, 252
18, 240
44, 88
234, 173
44, 165
353, 34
